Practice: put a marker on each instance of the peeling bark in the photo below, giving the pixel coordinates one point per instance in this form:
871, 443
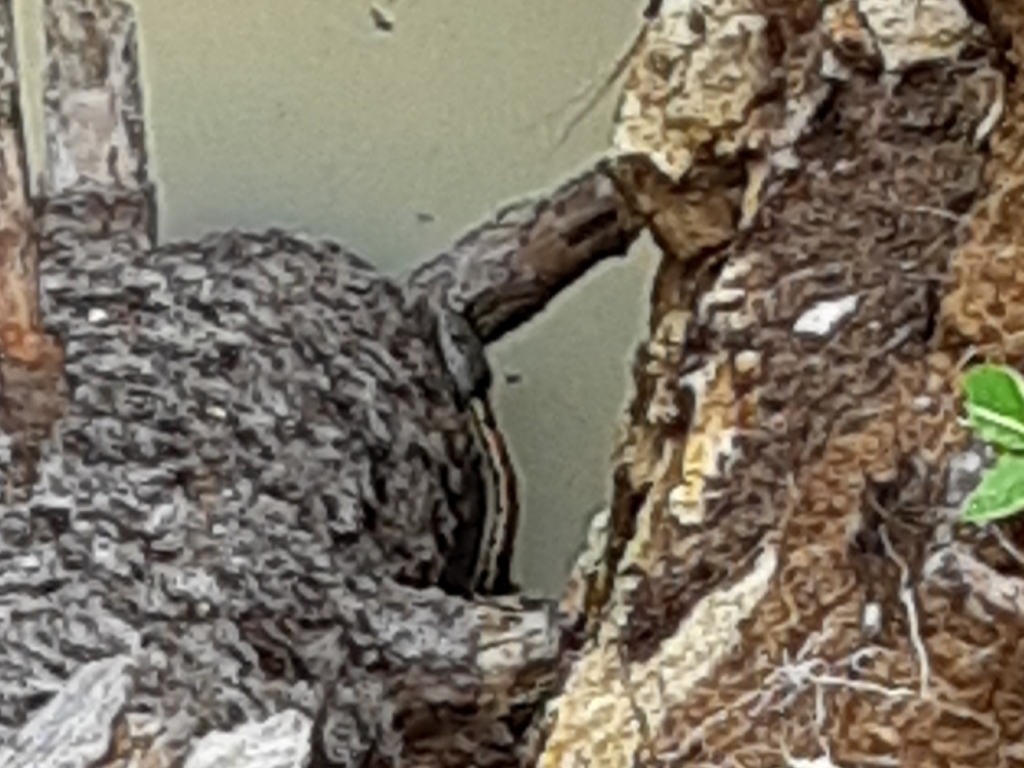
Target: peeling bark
19, 304
93, 102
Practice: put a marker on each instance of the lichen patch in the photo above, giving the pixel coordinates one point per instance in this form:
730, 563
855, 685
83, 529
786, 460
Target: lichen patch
698, 72
613, 708
823, 318
909, 32
708, 447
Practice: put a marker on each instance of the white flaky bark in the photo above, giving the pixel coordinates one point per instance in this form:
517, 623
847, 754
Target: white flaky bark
93, 102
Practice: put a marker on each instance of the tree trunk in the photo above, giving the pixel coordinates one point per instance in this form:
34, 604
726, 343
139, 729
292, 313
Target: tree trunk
783, 579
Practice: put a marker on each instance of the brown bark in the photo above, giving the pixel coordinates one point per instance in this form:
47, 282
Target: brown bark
782, 579
503, 272
19, 300
31, 396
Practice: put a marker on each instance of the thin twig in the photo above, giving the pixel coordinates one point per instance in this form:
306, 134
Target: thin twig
907, 598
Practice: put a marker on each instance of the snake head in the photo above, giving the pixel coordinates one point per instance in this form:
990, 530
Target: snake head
464, 356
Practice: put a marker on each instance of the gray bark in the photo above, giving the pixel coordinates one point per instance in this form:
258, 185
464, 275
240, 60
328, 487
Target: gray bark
95, 132
19, 307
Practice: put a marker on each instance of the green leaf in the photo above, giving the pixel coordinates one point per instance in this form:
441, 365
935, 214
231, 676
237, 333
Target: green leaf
995, 405
1000, 493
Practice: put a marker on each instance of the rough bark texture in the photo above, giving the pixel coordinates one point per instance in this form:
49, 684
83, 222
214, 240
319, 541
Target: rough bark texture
263, 445
31, 388
93, 99
19, 301
782, 579
501, 275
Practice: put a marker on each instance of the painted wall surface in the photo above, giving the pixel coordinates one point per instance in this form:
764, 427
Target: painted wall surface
301, 114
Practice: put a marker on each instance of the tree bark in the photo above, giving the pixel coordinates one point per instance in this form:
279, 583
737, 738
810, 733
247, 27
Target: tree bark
19, 301
782, 578
31, 386
505, 271
95, 131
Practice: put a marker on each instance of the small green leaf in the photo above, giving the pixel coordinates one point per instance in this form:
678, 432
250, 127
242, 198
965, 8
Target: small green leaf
1000, 493
995, 405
